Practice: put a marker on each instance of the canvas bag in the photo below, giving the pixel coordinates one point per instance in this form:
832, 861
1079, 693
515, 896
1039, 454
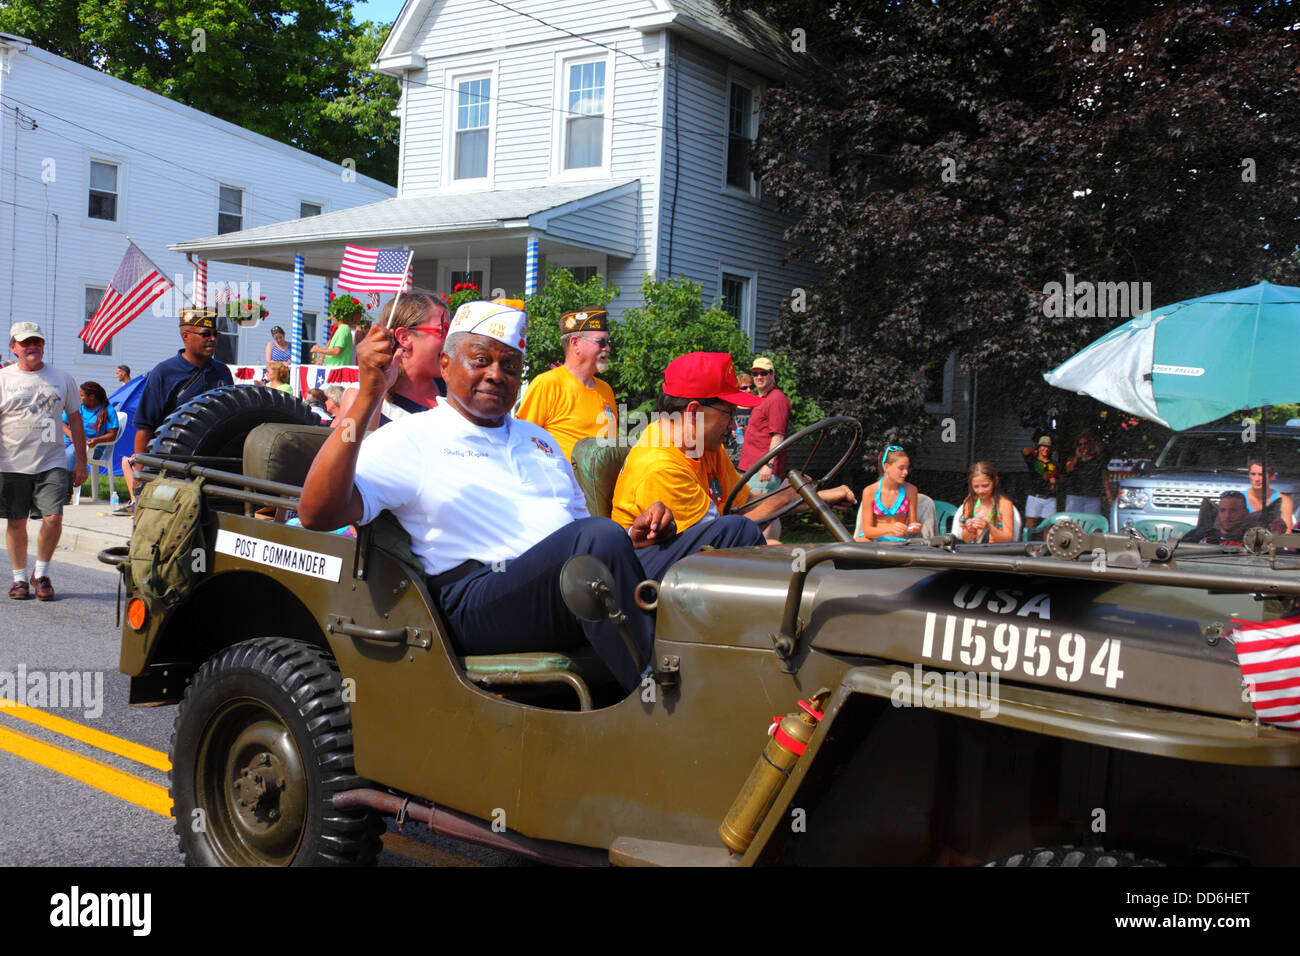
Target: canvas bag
168, 528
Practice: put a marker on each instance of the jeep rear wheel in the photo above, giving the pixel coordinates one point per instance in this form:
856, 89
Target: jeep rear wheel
262, 742
1073, 856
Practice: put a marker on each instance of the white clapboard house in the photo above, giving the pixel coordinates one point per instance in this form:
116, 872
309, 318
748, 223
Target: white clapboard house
610, 138
87, 160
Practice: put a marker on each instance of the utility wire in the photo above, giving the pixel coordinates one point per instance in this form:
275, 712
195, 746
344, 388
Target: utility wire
648, 64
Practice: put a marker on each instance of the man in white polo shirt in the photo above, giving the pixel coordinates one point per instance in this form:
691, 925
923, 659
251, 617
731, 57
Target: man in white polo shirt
490, 502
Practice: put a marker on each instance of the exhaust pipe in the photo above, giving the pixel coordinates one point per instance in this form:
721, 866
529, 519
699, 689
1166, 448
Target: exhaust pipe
460, 826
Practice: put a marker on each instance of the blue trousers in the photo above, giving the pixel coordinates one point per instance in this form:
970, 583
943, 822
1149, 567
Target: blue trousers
519, 607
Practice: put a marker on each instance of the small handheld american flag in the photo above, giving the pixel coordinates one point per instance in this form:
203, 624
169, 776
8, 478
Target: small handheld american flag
375, 270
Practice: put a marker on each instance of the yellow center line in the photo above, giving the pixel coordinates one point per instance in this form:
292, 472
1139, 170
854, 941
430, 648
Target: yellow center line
87, 735
98, 775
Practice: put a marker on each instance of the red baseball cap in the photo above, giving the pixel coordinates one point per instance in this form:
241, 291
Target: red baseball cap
706, 375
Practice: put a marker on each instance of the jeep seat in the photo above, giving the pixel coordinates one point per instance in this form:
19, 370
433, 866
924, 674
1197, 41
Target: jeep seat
283, 453
573, 668
596, 464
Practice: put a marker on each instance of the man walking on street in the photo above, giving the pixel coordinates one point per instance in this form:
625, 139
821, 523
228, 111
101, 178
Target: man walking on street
171, 383
569, 401
33, 472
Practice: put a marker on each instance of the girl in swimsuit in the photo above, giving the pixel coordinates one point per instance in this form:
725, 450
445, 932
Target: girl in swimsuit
985, 507
892, 516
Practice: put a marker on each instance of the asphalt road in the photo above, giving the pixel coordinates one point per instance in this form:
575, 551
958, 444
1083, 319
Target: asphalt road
85, 781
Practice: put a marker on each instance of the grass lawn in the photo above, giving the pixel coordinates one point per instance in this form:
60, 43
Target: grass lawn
122, 493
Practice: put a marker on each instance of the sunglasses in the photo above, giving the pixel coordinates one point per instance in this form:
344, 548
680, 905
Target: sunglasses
759, 371
747, 388
601, 343
207, 334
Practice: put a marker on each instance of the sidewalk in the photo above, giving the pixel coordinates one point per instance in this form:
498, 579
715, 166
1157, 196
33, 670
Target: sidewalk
89, 527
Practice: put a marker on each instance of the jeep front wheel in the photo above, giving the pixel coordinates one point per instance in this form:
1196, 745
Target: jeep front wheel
262, 742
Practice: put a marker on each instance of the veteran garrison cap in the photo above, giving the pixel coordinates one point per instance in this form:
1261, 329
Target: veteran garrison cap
502, 322
199, 318
584, 320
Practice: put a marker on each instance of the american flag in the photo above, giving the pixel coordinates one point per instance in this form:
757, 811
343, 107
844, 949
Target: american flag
1269, 655
223, 294
375, 270
136, 283
372, 300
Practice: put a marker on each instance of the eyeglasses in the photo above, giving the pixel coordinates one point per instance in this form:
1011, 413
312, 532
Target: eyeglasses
440, 329
206, 334
601, 343
727, 409
756, 372
747, 388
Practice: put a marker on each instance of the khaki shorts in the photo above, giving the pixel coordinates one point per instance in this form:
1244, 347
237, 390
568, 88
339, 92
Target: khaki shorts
33, 496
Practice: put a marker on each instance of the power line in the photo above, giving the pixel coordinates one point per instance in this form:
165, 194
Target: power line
649, 64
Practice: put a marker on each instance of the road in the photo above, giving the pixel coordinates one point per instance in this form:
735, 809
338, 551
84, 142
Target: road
85, 774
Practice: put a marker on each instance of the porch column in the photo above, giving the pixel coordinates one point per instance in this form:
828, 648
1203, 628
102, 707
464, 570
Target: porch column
530, 266
299, 270
323, 326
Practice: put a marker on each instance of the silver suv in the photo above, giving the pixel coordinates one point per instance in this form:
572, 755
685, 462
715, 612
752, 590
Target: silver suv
1199, 463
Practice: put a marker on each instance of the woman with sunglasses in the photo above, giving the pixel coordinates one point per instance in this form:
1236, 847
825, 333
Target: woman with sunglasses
892, 515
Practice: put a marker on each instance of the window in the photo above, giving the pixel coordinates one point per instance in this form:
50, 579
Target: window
227, 340
93, 295
584, 120
938, 384
737, 300
741, 123
308, 337
473, 112
103, 191
583, 274
306, 209
230, 214
474, 275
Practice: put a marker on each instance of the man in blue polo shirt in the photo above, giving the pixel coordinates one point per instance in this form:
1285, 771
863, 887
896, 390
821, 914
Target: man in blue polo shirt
189, 373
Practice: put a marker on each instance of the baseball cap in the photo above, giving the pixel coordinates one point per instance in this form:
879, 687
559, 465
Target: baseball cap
22, 331
1045, 440
706, 375
498, 321
762, 362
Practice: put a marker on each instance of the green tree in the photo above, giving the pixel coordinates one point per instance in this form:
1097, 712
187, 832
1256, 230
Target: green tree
672, 322
559, 294
945, 161
293, 70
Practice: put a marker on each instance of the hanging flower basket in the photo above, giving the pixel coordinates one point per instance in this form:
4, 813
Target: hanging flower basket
246, 311
462, 292
346, 308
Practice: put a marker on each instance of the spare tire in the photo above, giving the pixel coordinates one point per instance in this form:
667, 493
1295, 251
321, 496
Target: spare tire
215, 423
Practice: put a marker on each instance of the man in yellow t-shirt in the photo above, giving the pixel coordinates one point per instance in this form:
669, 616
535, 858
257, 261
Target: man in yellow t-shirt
569, 401
679, 461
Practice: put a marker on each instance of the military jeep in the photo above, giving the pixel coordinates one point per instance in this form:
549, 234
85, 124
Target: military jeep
928, 703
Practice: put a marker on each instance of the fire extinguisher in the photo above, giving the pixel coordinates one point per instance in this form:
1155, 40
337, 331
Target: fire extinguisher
790, 736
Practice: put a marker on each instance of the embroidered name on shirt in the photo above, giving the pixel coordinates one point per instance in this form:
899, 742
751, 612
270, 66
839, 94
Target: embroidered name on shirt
464, 453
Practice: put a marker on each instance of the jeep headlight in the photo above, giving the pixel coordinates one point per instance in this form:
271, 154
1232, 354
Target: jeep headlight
1133, 498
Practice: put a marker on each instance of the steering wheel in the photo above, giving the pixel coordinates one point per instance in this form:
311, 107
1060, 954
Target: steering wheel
825, 425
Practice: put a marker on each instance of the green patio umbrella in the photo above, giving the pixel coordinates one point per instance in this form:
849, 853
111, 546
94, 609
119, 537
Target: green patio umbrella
1195, 361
